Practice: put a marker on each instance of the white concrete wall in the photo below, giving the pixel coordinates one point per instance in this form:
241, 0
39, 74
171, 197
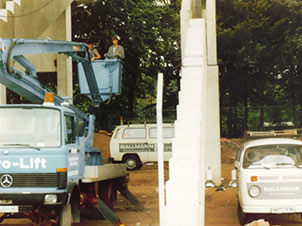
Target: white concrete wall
197, 133
207, 8
185, 188
52, 21
34, 24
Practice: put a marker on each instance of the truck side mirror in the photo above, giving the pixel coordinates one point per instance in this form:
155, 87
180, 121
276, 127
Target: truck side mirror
237, 164
80, 128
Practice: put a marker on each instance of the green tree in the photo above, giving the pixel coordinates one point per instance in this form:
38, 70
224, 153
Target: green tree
252, 39
149, 32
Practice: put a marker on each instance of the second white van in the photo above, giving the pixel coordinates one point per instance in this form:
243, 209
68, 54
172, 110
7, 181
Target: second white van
137, 144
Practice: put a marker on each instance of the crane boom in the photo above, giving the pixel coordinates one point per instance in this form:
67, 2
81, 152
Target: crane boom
26, 84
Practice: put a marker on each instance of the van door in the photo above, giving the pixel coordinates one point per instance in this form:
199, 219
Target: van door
168, 135
114, 144
134, 141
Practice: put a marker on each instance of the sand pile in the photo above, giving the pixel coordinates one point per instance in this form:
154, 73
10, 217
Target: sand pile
102, 142
229, 148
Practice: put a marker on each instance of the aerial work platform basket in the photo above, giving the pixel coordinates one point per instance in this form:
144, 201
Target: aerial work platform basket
108, 75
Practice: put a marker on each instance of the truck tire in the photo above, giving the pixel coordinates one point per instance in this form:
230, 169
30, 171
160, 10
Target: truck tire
132, 162
66, 216
107, 193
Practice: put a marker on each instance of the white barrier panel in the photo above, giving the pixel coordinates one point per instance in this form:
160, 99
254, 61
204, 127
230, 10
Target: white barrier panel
185, 189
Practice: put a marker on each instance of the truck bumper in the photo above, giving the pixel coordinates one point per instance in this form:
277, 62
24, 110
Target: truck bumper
30, 202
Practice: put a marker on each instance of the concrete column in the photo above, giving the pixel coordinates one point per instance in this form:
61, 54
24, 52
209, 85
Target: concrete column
185, 188
64, 64
6, 31
212, 97
212, 123
64, 76
186, 15
211, 32
2, 94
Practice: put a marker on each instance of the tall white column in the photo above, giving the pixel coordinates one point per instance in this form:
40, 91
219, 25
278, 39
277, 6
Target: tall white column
212, 97
2, 94
64, 64
212, 123
64, 76
186, 15
185, 188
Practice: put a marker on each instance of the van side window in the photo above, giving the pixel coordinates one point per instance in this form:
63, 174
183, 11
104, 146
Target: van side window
70, 136
167, 132
133, 133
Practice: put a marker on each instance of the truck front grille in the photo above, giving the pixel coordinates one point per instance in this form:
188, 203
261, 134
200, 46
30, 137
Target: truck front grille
33, 180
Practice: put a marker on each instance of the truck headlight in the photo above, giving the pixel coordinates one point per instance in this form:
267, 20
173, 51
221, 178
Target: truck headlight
254, 191
50, 199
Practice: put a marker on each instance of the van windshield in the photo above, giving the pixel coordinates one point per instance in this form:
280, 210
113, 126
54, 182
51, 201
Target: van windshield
30, 127
273, 156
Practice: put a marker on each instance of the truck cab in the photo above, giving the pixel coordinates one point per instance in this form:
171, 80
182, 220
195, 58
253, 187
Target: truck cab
270, 178
41, 156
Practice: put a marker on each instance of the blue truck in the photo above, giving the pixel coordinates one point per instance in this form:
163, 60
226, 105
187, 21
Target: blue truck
49, 169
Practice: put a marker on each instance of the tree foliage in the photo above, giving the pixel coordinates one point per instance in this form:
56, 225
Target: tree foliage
259, 50
149, 32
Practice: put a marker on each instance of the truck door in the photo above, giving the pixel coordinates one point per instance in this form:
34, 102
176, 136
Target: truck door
73, 148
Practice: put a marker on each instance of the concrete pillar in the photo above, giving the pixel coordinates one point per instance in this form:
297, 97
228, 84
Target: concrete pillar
6, 31
64, 76
211, 32
186, 15
212, 97
185, 188
2, 94
212, 123
64, 64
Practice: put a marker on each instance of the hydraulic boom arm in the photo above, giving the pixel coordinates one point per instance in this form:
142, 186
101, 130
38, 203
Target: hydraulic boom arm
25, 83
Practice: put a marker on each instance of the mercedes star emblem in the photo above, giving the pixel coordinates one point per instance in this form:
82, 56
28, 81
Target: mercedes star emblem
6, 181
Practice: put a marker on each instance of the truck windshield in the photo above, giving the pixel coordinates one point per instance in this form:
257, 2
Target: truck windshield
30, 127
273, 156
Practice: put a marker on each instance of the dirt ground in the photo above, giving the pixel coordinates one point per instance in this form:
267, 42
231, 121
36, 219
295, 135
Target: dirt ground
220, 209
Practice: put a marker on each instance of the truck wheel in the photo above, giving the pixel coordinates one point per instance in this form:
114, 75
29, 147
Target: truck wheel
242, 217
132, 162
107, 193
66, 216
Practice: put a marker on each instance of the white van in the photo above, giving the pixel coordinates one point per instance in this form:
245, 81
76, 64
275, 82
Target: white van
137, 143
270, 178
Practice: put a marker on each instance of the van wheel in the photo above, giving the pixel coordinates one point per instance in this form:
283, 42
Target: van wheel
66, 216
132, 162
242, 217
